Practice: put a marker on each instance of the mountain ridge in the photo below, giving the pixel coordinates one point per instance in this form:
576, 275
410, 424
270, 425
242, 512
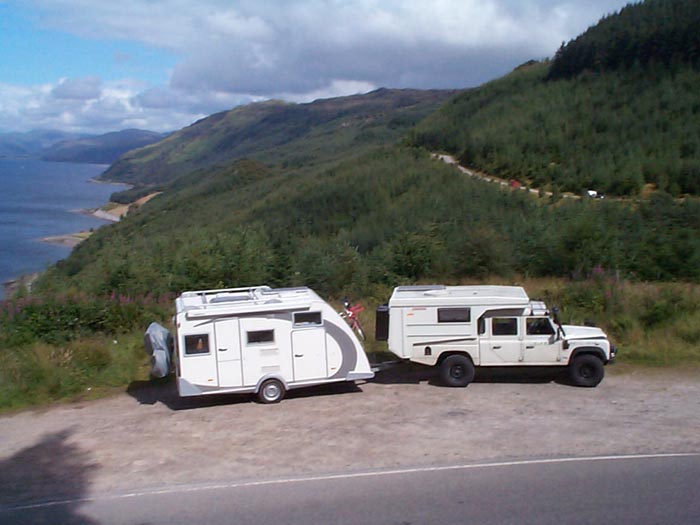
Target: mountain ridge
267, 131
100, 149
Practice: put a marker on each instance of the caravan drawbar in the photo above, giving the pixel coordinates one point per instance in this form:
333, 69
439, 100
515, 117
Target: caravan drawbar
262, 340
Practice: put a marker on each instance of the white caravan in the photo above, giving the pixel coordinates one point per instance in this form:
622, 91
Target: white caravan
456, 328
262, 340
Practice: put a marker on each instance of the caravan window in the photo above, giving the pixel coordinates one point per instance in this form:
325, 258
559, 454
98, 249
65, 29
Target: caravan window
454, 315
307, 319
261, 336
196, 344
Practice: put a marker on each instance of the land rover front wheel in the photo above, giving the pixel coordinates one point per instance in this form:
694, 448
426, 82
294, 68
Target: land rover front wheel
586, 370
457, 370
271, 391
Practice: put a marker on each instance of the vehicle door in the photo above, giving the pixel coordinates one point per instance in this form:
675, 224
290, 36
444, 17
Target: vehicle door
309, 346
228, 353
198, 355
501, 343
541, 343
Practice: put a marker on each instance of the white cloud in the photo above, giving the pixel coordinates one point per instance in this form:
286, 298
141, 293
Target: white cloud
236, 51
115, 106
87, 88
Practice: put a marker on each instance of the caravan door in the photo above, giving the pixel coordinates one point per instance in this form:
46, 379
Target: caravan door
309, 349
228, 353
309, 346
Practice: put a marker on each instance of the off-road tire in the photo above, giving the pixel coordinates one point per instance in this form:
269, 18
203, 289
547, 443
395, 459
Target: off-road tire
586, 370
457, 371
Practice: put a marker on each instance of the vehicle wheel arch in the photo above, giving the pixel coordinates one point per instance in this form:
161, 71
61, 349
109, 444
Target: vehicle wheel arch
447, 354
588, 350
270, 376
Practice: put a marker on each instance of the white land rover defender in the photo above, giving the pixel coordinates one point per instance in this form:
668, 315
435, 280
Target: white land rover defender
457, 328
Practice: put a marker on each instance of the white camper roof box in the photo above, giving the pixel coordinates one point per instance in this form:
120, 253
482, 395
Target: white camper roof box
439, 295
235, 301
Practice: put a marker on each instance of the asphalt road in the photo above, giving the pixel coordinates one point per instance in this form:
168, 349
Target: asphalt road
615, 489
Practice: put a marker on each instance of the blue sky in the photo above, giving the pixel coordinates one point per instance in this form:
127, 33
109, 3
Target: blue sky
99, 65
32, 54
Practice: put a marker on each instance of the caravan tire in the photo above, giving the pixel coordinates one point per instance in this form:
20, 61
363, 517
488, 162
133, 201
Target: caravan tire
271, 391
457, 370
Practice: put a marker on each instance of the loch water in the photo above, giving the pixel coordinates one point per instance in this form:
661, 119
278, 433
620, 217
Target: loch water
40, 199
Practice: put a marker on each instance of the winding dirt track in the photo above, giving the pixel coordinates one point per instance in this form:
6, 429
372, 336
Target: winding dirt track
148, 437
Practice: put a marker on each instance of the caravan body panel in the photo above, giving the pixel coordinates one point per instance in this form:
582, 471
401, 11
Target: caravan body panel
232, 340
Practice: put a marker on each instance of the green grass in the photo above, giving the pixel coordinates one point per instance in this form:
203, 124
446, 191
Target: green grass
42, 373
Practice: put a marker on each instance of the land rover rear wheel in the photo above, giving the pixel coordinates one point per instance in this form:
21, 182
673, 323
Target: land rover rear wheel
586, 370
271, 391
457, 370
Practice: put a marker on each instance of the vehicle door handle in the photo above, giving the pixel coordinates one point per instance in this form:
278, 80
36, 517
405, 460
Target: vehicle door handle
222, 349
496, 347
298, 355
532, 346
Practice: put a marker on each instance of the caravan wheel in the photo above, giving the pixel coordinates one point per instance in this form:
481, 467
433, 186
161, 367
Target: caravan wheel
271, 391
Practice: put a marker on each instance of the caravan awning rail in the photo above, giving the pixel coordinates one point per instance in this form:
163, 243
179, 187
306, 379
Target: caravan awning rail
234, 301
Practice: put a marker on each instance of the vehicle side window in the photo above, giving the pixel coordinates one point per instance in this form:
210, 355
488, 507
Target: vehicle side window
261, 336
504, 326
454, 315
196, 344
539, 326
307, 319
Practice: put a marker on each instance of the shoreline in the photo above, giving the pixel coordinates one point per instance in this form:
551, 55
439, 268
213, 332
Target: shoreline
11, 286
73, 239
98, 181
110, 212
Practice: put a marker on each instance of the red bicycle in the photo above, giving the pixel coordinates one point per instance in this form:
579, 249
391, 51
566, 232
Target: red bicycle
350, 313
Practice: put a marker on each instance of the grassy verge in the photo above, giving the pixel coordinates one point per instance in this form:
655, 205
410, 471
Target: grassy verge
86, 368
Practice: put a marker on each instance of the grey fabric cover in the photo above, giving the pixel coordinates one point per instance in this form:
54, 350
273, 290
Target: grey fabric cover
159, 344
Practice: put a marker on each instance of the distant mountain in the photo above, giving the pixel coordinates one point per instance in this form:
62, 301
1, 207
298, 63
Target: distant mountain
32, 143
281, 133
101, 149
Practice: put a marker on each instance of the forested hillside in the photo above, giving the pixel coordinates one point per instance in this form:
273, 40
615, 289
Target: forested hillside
618, 108
388, 217
665, 32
